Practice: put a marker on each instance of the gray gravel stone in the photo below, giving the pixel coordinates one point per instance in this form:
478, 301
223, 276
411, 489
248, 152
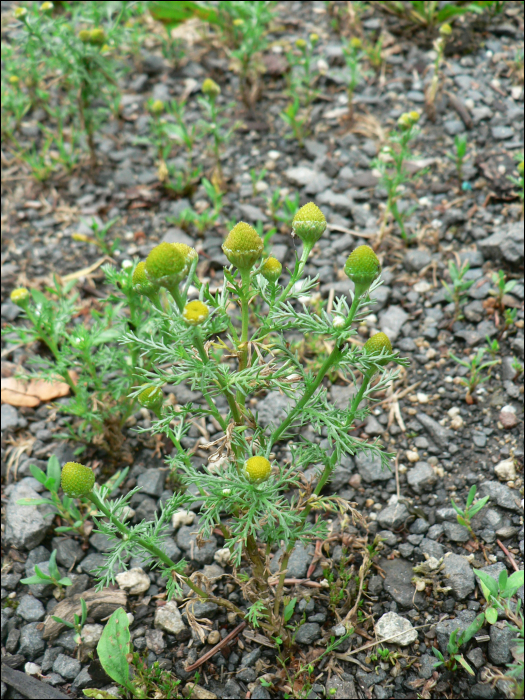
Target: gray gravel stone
416, 260
505, 244
152, 481
30, 609
343, 688
456, 532
502, 638
155, 641
476, 657
458, 575
432, 548
273, 409
308, 633
419, 526
25, 526
91, 562
369, 467
298, 562
398, 582
392, 320
392, 517
501, 495
67, 667
9, 416
69, 551
50, 658
435, 531
188, 542
440, 435
427, 666
501, 133
177, 235
31, 641
391, 624
83, 680
422, 477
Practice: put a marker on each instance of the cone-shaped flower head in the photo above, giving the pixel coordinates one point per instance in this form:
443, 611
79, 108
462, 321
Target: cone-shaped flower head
257, 468
377, 343
85, 35
77, 479
210, 88
166, 265
355, 42
20, 12
243, 246
195, 313
151, 397
300, 43
141, 282
362, 267
20, 296
445, 29
309, 224
98, 36
157, 107
189, 254
271, 270
314, 38
46, 6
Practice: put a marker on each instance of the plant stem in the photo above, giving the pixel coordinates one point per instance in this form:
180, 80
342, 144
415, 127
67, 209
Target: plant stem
307, 249
157, 552
175, 293
243, 347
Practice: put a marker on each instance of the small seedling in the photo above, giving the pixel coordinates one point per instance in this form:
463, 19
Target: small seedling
498, 593
458, 156
296, 120
54, 576
429, 13
99, 236
303, 74
353, 54
374, 53
457, 293
492, 346
338, 580
475, 365
205, 219
431, 93
78, 623
456, 641
465, 516
257, 177
517, 367
518, 181
501, 288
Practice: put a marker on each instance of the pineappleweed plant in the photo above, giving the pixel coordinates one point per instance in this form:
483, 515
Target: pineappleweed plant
243, 486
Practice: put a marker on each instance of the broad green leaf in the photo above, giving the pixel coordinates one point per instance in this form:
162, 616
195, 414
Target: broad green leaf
478, 505
491, 615
458, 511
471, 630
64, 528
113, 647
38, 572
289, 609
51, 484
38, 473
33, 501
99, 694
53, 569
33, 580
453, 645
65, 581
437, 653
63, 622
84, 609
514, 582
502, 580
488, 581
471, 495
172, 13
53, 469
462, 521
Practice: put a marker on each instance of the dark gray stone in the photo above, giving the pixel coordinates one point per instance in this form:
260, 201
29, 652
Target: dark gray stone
31, 641
375, 585
9, 415
391, 320
308, 633
91, 563
458, 575
343, 688
30, 609
50, 658
25, 526
273, 409
188, 542
249, 658
298, 562
83, 680
422, 477
13, 638
416, 260
67, 667
440, 435
427, 666
369, 467
392, 517
155, 641
505, 244
398, 582
432, 548
152, 481
502, 639
456, 532
476, 657
246, 675
69, 551
435, 531
501, 495
419, 526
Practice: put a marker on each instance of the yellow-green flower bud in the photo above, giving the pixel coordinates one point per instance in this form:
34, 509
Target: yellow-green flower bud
97, 36
151, 397
77, 479
520, 167
314, 38
195, 313
376, 344
243, 246
309, 224
20, 12
355, 43
81, 238
362, 267
46, 6
300, 43
210, 88
188, 253
141, 282
166, 265
85, 36
404, 121
445, 30
157, 107
414, 116
20, 296
271, 270
257, 468
238, 22
14, 79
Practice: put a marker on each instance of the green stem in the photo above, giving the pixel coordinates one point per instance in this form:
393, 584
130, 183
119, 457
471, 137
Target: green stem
243, 347
299, 267
155, 551
175, 293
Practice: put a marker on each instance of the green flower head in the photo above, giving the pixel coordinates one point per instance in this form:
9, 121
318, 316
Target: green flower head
20, 296
309, 224
445, 30
151, 397
257, 468
166, 265
376, 344
271, 270
141, 282
362, 267
77, 479
98, 36
243, 246
195, 313
157, 107
210, 88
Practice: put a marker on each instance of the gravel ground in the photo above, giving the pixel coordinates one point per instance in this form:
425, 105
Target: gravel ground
444, 445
